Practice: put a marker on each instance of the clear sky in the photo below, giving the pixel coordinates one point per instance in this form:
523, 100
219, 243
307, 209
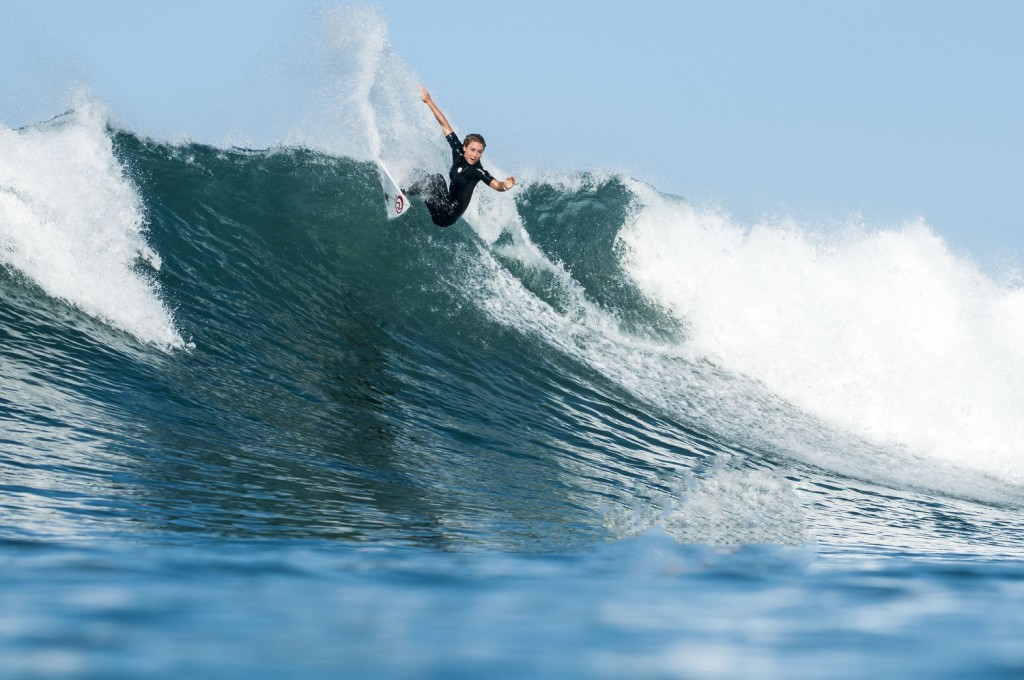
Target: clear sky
890, 109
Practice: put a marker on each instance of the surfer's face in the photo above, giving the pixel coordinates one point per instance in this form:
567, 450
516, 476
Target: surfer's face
472, 152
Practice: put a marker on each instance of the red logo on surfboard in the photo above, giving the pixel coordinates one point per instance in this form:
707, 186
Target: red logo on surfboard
399, 204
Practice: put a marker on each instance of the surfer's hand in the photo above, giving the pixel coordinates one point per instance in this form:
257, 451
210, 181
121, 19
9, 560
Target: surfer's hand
424, 95
509, 183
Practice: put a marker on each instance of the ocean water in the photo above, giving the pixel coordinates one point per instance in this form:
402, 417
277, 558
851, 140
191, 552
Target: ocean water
251, 428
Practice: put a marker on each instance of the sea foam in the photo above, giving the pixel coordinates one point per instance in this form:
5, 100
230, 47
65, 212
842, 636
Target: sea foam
885, 333
72, 223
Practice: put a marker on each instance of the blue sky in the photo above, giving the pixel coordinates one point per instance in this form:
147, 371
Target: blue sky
818, 109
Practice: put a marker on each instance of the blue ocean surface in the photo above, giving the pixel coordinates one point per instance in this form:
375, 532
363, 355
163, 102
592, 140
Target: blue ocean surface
251, 428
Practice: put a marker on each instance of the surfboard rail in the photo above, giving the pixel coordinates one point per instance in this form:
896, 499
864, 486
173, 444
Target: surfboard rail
396, 203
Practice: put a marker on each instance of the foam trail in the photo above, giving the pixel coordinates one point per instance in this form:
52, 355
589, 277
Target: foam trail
728, 507
72, 223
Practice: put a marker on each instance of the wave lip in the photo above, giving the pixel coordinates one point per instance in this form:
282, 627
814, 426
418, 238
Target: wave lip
885, 333
73, 224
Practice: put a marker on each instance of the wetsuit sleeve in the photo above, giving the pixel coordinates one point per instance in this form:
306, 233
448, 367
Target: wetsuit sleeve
455, 143
485, 176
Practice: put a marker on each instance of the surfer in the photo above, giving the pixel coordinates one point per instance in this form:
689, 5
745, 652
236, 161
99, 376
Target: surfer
446, 204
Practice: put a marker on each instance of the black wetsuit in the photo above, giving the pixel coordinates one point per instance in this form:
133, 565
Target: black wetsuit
446, 204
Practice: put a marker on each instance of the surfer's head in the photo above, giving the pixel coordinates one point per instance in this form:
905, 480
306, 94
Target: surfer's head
473, 147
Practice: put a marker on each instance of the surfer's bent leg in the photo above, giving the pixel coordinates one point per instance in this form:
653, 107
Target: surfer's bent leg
431, 185
435, 192
442, 211
443, 218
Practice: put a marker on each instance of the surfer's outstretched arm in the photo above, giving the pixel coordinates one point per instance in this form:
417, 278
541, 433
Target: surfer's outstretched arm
503, 186
425, 96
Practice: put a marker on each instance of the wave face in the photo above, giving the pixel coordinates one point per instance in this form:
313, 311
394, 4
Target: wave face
251, 428
239, 343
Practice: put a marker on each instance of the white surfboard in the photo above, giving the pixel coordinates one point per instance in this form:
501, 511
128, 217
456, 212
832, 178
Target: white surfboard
396, 203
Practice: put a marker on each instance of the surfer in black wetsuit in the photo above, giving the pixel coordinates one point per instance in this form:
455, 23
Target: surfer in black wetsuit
447, 203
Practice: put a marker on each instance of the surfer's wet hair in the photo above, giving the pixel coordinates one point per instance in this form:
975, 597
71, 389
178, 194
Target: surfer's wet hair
474, 137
